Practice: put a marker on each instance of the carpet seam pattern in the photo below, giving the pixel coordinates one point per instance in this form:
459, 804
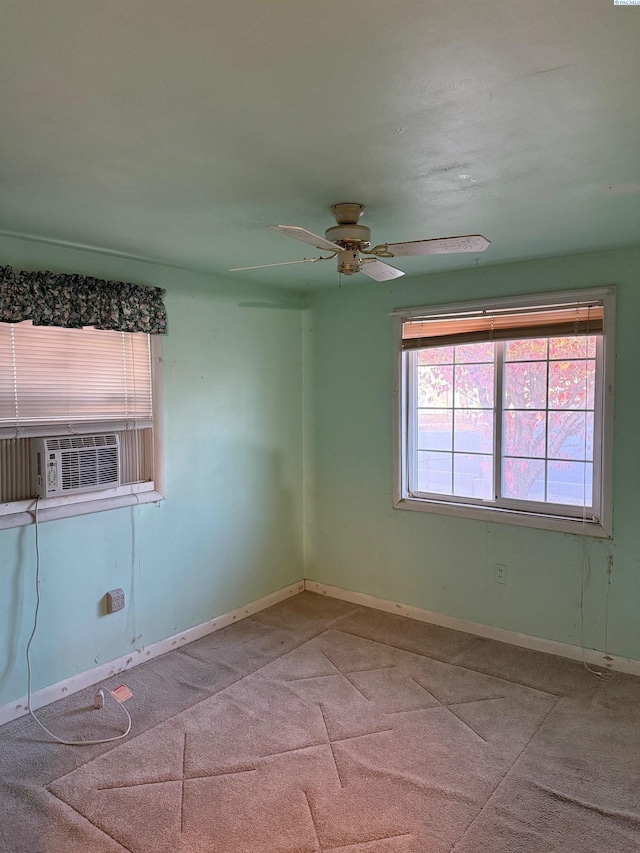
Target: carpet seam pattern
351, 845
330, 743
448, 663
513, 764
182, 780
89, 821
448, 707
333, 752
441, 781
565, 798
212, 694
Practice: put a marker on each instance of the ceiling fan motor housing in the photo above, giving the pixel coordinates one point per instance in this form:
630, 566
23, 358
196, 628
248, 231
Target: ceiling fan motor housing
347, 212
349, 234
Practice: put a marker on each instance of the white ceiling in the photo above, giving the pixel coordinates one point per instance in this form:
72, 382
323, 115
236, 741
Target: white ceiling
176, 130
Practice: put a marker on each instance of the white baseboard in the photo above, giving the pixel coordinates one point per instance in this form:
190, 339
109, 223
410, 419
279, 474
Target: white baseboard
17, 708
503, 635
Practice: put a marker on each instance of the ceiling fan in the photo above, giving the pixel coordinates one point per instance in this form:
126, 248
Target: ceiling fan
350, 243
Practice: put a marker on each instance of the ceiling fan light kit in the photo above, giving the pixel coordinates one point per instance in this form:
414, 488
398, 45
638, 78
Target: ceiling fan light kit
348, 241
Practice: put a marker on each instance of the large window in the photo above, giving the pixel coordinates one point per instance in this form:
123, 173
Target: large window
505, 409
76, 383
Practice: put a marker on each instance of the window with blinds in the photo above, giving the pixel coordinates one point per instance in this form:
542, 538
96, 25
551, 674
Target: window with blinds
56, 381
506, 406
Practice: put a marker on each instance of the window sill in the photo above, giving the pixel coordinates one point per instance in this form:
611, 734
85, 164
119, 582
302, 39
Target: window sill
22, 513
503, 516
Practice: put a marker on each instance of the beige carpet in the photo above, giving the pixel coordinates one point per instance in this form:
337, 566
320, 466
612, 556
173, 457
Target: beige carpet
376, 735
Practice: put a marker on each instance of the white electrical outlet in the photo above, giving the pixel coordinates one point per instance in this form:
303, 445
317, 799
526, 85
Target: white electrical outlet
500, 573
115, 600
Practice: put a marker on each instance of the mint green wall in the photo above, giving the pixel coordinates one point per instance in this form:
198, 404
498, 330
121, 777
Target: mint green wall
355, 539
230, 530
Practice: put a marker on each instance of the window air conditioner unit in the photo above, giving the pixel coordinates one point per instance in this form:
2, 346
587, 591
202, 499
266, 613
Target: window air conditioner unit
71, 464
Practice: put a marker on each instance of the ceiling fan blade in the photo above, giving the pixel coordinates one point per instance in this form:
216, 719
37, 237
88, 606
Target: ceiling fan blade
282, 264
306, 236
379, 271
439, 246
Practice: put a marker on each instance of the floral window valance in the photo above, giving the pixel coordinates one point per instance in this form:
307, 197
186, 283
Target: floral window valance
74, 301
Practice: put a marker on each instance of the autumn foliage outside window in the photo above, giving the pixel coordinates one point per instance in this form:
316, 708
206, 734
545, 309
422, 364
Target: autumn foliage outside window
512, 423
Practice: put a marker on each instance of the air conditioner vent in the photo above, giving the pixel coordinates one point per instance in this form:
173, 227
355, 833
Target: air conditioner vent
72, 442
76, 463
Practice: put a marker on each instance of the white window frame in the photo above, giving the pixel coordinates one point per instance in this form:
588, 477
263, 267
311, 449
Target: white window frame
22, 512
535, 514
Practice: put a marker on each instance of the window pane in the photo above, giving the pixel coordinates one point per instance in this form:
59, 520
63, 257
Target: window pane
523, 479
473, 430
525, 385
524, 433
533, 349
571, 384
473, 476
548, 438
435, 429
579, 347
570, 435
434, 472
474, 386
435, 386
435, 355
474, 352
570, 483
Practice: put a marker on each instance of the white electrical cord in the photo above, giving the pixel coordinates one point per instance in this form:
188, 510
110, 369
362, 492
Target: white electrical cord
585, 568
33, 633
584, 583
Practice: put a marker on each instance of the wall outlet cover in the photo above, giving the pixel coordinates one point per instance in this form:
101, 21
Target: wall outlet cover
115, 600
500, 573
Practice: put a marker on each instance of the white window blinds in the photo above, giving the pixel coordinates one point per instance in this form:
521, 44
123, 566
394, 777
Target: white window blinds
57, 380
